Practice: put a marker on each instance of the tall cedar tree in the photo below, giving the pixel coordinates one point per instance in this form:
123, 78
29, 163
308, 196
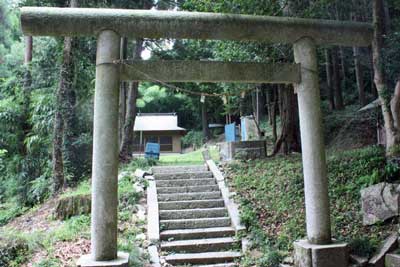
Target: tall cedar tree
390, 102
126, 148
26, 127
62, 107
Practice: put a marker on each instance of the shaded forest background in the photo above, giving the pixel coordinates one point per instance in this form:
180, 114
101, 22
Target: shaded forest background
47, 86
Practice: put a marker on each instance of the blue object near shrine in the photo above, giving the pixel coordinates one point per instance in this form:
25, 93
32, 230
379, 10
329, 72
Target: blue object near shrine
243, 127
230, 132
152, 151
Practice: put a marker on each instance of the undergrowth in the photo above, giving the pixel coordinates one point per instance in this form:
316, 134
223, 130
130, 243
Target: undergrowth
271, 196
78, 228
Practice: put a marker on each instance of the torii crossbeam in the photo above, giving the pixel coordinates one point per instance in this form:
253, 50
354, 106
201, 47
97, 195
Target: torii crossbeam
109, 25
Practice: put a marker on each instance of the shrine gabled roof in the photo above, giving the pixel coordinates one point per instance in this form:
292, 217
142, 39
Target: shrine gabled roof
157, 122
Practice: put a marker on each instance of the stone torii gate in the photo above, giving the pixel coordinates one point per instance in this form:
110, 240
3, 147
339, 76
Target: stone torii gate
109, 25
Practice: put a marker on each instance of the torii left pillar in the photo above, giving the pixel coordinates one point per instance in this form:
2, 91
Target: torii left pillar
105, 158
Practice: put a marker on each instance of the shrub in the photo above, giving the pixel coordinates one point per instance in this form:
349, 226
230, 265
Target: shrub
141, 163
270, 259
13, 251
193, 139
9, 211
362, 247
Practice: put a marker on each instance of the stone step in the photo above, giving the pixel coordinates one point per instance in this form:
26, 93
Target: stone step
185, 182
189, 196
187, 189
191, 204
173, 169
195, 223
183, 175
201, 245
203, 258
184, 234
193, 213
232, 264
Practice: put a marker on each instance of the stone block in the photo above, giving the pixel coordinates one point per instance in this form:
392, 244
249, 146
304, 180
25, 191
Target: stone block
392, 260
153, 227
141, 173
358, 261
311, 255
242, 150
380, 202
154, 256
121, 261
302, 254
390, 244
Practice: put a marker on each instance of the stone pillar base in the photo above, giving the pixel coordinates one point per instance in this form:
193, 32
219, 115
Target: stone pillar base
310, 255
121, 261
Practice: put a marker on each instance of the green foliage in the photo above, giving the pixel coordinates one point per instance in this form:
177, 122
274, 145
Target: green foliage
140, 163
82, 189
193, 139
270, 259
191, 158
362, 246
10, 210
51, 262
73, 228
13, 252
271, 196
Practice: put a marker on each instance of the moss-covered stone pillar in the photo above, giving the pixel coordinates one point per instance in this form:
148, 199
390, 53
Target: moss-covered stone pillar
105, 149
105, 158
312, 144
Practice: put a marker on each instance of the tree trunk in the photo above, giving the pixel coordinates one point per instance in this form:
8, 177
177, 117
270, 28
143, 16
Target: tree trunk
126, 147
343, 68
57, 162
359, 76
26, 127
289, 139
336, 81
274, 113
204, 122
122, 94
64, 120
261, 102
254, 103
390, 109
355, 16
72, 161
28, 50
331, 95
268, 101
241, 105
339, 16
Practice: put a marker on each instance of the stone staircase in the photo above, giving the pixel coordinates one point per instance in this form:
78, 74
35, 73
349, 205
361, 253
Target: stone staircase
195, 227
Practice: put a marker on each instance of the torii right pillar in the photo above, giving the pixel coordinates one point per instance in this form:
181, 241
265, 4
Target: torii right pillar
318, 250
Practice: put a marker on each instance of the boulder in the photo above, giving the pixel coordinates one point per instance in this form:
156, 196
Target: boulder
392, 260
67, 207
380, 202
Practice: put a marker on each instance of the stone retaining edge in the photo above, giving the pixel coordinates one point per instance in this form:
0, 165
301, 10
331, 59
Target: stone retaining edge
153, 228
233, 208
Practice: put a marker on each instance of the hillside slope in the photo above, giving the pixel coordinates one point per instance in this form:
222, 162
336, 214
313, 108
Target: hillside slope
271, 196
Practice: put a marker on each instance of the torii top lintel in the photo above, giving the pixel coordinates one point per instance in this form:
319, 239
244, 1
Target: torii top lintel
50, 21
